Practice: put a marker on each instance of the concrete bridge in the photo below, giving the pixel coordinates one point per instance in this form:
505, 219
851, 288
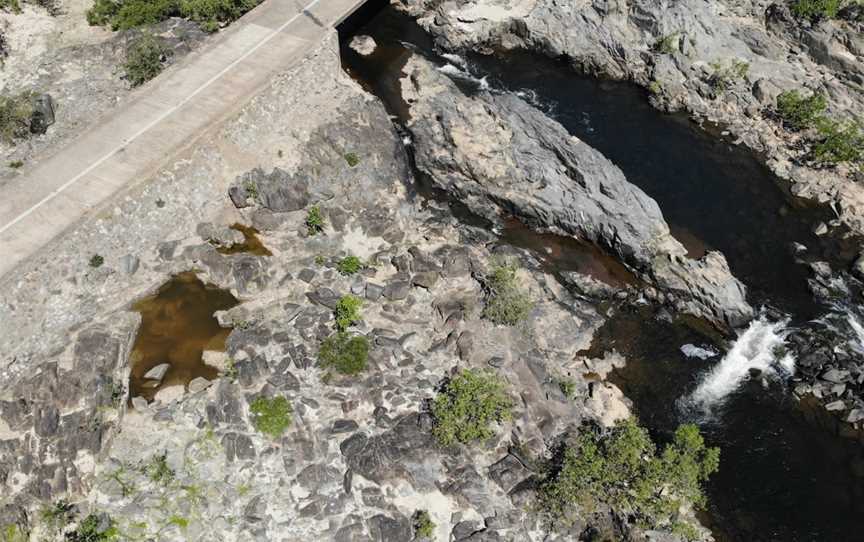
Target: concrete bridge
159, 121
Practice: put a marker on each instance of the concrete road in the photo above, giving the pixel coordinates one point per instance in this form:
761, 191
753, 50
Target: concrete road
160, 120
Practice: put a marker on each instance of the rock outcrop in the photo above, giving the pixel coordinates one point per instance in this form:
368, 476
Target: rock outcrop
501, 156
683, 52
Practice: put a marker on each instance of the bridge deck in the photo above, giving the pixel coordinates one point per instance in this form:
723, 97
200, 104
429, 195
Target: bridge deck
160, 120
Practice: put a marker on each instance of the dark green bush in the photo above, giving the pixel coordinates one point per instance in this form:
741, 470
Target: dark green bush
352, 159
799, 112
10, 5
347, 311
506, 302
94, 528
349, 265
210, 13
145, 59
621, 468
467, 405
344, 353
96, 261
15, 115
271, 416
816, 10
839, 141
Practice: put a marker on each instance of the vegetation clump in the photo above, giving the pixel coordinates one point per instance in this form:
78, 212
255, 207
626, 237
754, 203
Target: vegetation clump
158, 470
467, 405
271, 416
96, 261
424, 527
800, 112
16, 113
724, 77
349, 265
344, 353
507, 302
622, 469
816, 10
145, 59
94, 528
352, 159
126, 14
314, 220
347, 311
839, 141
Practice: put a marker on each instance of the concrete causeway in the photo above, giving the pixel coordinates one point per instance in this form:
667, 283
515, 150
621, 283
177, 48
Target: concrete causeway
160, 120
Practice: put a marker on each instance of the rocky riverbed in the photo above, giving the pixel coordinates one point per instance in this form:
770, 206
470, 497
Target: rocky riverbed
358, 459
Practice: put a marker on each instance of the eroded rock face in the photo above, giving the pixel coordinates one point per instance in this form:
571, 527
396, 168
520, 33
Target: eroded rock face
500, 155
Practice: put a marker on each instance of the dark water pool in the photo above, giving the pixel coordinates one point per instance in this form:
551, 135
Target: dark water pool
782, 477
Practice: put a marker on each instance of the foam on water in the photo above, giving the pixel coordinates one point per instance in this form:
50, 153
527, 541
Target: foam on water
693, 351
755, 348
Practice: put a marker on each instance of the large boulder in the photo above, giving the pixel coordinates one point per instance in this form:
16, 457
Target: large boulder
499, 155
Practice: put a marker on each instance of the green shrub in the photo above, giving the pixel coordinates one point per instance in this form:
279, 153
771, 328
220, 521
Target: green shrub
94, 528
15, 114
96, 261
567, 387
816, 10
210, 13
466, 406
349, 265
667, 44
506, 303
799, 112
344, 353
622, 469
724, 77
347, 311
352, 159
10, 5
11, 533
424, 527
839, 142
145, 59
158, 470
314, 220
16, 164
271, 416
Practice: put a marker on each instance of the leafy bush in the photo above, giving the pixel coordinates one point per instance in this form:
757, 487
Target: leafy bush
424, 527
507, 303
210, 13
466, 406
622, 469
158, 470
96, 261
724, 77
352, 159
94, 528
347, 311
344, 353
15, 114
314, 220
799, 112
271, 416
839, 142
816, 10
126, 14
10, 5
145, 59
11, 533
667, 44
349, 265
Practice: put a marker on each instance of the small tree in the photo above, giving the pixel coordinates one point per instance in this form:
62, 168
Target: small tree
839, 142
344, 353
799, 112
145, 59
467, 405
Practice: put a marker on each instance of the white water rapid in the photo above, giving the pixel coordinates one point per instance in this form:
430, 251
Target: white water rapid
755, 348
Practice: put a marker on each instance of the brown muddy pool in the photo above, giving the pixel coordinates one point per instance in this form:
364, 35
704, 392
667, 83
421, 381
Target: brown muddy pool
251, 244
177, 326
